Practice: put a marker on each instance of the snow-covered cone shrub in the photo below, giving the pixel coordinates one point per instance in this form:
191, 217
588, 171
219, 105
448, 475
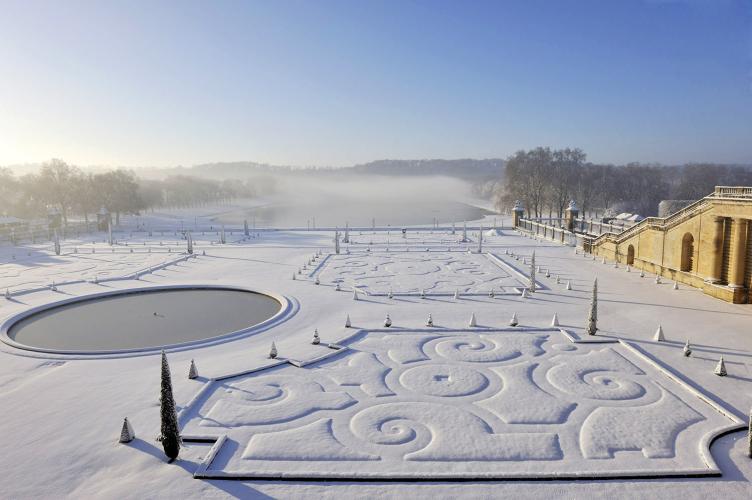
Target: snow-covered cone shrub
347, 322
317, 281
513, 321
658, 337
642, 273
555, 320
387, 321
456, 294
491, 293
429, 321
592, 321
569, 285
676, 285
316, 340
192, 371
273, 351
472, 322
657, 280
355, 294
391, 295
687, 350
548, 273
170, 432
126, 433
558, 279
422, 293
720, 368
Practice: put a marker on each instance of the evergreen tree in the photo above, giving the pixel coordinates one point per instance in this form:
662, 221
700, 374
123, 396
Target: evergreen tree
750, 434
170, 432
532, 273
592, 321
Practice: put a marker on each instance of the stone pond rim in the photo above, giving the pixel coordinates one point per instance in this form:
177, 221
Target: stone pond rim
145, 320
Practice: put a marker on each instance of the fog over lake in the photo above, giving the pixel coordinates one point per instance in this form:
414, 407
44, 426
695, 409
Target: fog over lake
333, 201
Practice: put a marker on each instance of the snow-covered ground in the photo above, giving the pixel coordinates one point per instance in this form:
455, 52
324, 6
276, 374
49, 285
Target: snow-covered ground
413, 401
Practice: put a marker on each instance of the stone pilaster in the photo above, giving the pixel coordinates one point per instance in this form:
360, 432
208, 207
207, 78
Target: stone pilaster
716, 257
738, 252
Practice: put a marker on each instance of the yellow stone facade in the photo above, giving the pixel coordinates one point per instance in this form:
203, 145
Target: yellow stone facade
706, 245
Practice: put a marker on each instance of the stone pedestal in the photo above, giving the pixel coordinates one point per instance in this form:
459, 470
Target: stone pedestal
571, 214
517, 212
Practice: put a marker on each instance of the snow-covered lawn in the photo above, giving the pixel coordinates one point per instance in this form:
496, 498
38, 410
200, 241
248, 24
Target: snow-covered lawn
458, 403
432, 272
448, 401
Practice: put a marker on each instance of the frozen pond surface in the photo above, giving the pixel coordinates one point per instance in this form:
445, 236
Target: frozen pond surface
329, 214
144, 319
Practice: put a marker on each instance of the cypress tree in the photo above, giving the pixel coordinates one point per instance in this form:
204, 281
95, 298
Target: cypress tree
170, 432
750, 434
592, 321
532, 273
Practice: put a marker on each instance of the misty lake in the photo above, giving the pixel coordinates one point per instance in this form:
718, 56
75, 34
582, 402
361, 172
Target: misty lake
358, 214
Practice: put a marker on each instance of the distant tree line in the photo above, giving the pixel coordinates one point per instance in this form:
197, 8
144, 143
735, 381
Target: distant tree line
75, 193
545, 180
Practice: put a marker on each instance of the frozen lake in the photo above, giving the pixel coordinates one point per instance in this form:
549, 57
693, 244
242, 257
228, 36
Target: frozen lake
330, 213
144, 319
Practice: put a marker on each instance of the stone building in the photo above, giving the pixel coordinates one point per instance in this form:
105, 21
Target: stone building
707, 245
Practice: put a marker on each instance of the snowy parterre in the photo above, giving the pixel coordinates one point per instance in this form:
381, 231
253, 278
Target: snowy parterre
448, 401
458, 404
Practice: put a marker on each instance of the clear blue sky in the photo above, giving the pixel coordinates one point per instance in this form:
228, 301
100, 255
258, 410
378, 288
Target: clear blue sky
162, 83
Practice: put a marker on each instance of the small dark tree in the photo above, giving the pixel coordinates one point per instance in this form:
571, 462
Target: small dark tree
170, 432
592, 321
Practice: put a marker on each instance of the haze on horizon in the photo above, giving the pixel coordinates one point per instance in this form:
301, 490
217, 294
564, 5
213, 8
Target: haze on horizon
335, 83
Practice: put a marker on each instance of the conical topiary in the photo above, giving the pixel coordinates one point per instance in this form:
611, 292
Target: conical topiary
569, 285
533, 270
192, 371
555, 320
126, 433
347, 322
592, 321
387, 321
170, 431
658, 337
472, 321
429, 321
316, 340
687, 351
720, 368
513, 321
749, 435
273, 351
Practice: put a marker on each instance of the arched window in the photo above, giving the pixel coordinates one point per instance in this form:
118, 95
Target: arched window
630, 255
687, 253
